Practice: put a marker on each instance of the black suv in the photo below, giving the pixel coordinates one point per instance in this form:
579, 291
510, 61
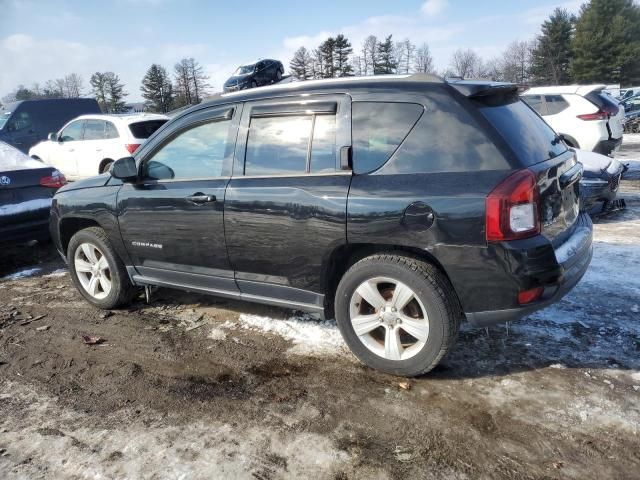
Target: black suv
257, 74
397, 205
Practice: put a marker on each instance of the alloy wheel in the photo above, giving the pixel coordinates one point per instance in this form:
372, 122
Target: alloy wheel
389, 318
92, 270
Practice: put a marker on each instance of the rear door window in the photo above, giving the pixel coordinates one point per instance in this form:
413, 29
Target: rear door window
110, 131
530, 138
378, 128
555, 104
323, 145
94, 130
145, 129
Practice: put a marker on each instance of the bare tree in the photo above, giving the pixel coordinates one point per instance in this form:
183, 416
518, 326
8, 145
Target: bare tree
190, 82
356, 63
466, 64
516, 62
404, 55
369, 54
423, 60
72, 85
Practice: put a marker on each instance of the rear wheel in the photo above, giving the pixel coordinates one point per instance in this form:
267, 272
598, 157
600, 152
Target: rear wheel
279, 74
97, 271
106, 165
397, 314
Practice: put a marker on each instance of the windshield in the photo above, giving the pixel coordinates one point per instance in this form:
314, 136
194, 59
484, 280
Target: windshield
4, 117
244, 70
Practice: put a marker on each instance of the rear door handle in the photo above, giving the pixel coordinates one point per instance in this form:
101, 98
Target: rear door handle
201, 198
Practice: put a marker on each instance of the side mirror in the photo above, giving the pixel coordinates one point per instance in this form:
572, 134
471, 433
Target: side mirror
124, 169
53, 137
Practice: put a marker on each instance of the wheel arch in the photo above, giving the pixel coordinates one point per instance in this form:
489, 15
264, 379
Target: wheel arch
570, 140
69, 226
344, 256
103, 162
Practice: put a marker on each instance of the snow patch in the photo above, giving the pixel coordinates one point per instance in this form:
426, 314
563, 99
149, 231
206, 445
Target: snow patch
61, 272
309, 336
12, 159
29, 272
28, 206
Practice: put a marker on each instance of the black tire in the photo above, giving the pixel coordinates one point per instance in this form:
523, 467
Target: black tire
254, 84
107, 165
432, 289
122, 291
279, 75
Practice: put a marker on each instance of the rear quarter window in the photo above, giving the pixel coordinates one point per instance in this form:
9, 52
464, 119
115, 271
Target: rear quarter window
555, 104
145, 129
530, 138
378, 128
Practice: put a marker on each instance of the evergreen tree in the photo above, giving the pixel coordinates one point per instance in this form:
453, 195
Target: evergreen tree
342, 52
327, 50
157, 89
301, 65
386, 62
115, 92
99, 86
606, 44
551, 57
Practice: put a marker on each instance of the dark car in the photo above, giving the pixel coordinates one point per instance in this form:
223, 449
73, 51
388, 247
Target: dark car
26, 190
397, 205
257, 74
27, 122
600, 182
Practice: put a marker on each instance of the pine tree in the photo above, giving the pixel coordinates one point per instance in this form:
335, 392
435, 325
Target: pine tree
115, 92
606, 44
300, 65
342, 52
99, 86
327, 50
386, 62
551, 57
157, 89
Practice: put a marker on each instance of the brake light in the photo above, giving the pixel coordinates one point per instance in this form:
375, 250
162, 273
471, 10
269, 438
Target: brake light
528, 296
512, 208
599, 115
56, 180
131, 147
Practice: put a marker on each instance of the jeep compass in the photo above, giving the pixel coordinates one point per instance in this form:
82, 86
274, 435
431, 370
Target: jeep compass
398, 205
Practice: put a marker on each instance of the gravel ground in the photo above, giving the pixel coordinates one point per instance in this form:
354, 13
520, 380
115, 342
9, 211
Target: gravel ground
194, 387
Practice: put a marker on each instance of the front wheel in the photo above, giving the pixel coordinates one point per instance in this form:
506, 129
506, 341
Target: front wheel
278, 75
97, 271
397, 314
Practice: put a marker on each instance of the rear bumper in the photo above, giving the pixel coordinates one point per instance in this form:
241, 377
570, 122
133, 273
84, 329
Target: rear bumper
607, 147
572, 259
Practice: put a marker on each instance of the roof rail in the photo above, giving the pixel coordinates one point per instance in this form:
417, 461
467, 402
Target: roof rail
425, 77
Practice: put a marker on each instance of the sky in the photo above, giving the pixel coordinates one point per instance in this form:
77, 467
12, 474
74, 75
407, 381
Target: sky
44, 39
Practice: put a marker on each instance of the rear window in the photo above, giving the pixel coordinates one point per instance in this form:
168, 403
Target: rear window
145, 129
378, 128
531, 139
604, 102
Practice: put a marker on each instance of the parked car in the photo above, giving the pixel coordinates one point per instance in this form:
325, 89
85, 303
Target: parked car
25, 123
631, 104
629, 92
254, 75
26, 190
396, 205
586, 117
89, 144
600, 182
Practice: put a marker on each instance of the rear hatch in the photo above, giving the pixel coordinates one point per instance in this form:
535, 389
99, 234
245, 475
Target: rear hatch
536, 147
614, 110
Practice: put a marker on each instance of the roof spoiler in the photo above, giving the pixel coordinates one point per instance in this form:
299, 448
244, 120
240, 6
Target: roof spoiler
480, 88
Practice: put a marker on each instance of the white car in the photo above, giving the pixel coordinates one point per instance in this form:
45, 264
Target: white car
89, 144
585, 115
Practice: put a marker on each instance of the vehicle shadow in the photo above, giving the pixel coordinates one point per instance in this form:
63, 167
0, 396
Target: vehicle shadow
32, 255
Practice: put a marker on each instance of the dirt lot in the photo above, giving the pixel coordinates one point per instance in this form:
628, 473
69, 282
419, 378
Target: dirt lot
193, 387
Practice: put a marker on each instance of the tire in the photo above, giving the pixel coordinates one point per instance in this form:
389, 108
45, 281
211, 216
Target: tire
279, 74
114, 275
107, 165
254, 84
433, 302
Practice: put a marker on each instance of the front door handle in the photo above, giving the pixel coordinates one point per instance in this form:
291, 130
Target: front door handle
201, 198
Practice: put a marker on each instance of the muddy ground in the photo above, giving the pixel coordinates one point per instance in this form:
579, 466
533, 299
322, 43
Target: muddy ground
194, 387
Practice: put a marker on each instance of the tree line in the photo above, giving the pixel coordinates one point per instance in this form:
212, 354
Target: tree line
161, 92
600, 44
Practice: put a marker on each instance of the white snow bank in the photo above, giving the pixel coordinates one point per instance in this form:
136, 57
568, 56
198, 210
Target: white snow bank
29, 272
13, 159
28, 206
61, 272
631, 138
309, 335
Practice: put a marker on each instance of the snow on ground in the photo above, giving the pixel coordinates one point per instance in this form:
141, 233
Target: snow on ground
309, 336
631, 138
28, 206
28, 272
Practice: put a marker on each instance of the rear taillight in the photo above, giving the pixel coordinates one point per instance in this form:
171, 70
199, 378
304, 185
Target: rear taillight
599, 115
531, 295
512, 208
55, 180
131, 147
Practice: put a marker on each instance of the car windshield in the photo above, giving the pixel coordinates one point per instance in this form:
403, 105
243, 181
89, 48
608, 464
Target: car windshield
244, 70
4, 117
